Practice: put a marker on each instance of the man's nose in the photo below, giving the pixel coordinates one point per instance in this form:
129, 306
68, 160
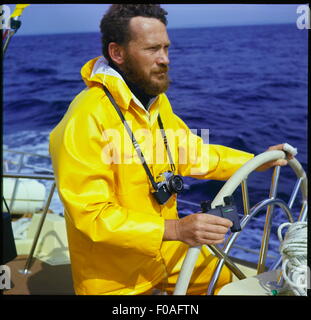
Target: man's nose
163, 57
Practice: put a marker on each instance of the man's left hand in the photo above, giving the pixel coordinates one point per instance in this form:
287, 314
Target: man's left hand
279, 162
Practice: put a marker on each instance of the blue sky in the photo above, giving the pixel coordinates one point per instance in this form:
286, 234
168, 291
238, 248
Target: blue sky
67, 18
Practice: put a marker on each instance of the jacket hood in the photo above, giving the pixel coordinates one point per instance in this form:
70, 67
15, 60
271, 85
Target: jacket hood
97, 72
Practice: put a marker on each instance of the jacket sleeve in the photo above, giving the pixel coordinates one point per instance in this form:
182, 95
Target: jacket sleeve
201, 160
86, 187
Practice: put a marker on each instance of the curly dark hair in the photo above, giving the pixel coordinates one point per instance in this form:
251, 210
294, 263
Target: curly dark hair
114, 25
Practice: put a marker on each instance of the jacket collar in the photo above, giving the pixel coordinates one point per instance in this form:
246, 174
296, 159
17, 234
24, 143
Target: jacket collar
98, 72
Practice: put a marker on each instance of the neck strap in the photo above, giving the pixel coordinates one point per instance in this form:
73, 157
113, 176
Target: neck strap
166, 143
135, 143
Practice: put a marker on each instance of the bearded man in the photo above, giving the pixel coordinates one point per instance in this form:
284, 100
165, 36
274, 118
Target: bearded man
112, 155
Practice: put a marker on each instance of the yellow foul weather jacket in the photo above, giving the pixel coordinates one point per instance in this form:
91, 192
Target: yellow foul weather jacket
114, 225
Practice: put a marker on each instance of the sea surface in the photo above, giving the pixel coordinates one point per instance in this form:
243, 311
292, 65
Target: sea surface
246, 84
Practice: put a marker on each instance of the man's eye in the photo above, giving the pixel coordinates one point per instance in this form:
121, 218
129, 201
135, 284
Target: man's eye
153, 48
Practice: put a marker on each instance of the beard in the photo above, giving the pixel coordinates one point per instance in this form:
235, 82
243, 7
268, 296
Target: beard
154, 83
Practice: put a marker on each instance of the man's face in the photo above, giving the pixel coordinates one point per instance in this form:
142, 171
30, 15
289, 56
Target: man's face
146, 55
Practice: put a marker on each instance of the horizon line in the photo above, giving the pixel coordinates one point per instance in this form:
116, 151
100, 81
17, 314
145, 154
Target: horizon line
169, 28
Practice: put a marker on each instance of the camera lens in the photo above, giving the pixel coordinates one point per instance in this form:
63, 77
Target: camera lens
176, 184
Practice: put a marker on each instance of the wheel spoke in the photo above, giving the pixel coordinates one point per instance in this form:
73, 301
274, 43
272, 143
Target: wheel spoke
267, 227
245, 196
274, 182
294, 193
229, 263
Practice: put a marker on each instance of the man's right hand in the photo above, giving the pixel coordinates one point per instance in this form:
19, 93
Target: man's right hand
197, 229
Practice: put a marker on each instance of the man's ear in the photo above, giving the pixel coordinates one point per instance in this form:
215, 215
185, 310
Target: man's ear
116, 53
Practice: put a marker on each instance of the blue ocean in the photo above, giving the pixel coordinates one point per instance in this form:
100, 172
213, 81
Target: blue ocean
246, 84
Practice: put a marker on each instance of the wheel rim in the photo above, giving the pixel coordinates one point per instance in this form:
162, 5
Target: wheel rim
240, 178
